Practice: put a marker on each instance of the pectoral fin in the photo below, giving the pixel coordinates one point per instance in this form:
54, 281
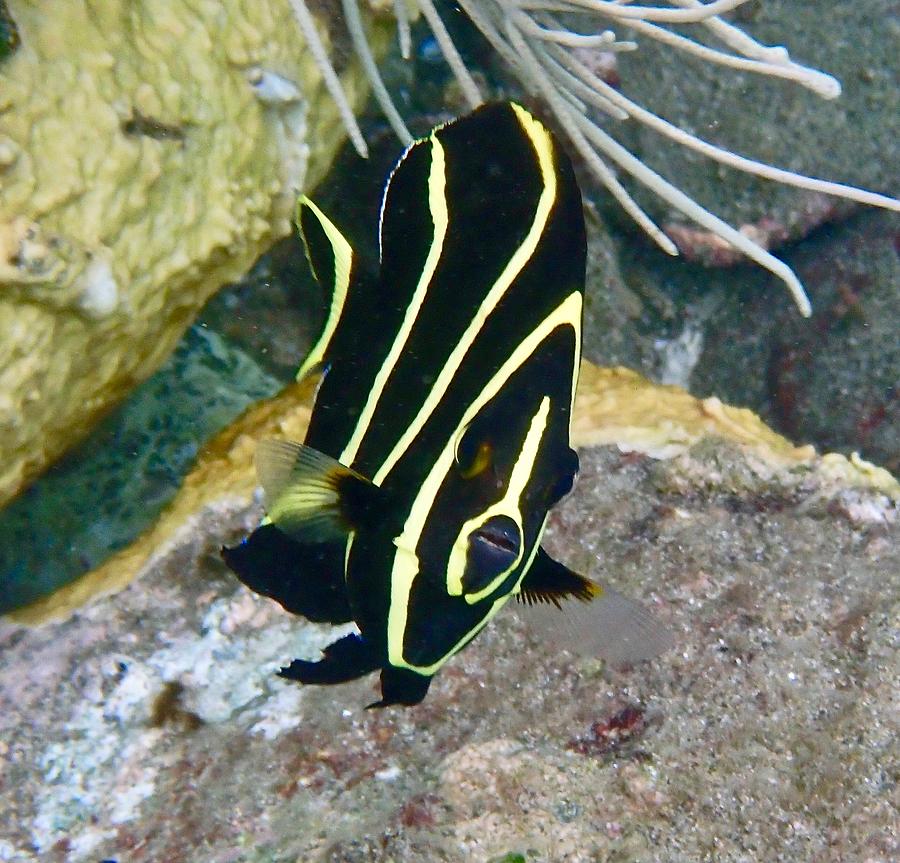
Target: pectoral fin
605, 623
550, 581
311, 496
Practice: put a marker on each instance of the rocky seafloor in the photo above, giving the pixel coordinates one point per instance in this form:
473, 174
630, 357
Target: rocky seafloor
149, 726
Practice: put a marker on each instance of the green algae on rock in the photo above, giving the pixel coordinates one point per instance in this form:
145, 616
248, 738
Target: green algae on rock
99, 498
223, 474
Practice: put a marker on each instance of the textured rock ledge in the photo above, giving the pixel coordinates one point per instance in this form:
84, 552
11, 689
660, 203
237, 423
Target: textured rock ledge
613, 406
149, 725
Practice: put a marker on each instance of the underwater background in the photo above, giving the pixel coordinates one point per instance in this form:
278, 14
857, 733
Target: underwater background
147, 723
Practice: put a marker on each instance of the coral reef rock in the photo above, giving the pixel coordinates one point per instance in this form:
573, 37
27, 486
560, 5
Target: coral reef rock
833, 379
101, 495
851, 139
149, 725
614, 406
148, 154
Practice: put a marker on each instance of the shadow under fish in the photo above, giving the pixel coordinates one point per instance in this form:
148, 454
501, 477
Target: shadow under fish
439, 438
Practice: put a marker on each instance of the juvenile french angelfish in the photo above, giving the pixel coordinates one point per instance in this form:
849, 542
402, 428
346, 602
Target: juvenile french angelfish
439, 438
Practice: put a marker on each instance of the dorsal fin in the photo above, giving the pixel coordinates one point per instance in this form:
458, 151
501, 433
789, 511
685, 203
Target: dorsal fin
330, 257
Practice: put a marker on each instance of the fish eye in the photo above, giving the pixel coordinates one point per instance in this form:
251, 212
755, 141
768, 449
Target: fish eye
494, 547
473, 458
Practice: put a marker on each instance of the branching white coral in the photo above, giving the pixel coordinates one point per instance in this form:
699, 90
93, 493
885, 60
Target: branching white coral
547, 56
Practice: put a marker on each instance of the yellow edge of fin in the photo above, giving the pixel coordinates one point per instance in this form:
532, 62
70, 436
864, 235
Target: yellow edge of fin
343, 263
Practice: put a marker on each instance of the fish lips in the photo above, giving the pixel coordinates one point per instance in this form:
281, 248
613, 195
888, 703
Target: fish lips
494, 547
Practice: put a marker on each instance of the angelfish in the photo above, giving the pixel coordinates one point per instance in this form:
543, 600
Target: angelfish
439, 437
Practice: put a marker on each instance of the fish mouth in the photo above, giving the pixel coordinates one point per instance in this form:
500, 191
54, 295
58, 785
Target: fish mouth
499, 539
494, 548
500, 533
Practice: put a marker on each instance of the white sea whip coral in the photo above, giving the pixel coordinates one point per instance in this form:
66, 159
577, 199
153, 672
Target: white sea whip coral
544, 53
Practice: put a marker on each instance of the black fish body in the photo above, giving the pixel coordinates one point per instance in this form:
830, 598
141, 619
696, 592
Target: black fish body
439, 438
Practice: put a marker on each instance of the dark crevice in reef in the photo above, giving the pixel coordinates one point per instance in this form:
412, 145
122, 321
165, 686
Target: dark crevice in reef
9, 33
